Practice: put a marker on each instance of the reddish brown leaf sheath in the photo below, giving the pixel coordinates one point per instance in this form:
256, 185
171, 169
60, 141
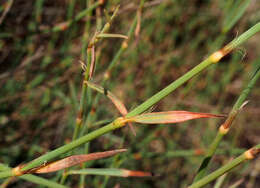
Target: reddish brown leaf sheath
74, 160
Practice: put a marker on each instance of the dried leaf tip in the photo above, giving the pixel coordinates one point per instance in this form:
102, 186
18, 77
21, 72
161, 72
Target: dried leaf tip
128, 173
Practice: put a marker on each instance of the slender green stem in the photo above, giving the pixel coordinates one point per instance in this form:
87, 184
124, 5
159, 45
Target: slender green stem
207, 179
225, 127
246, 91
85, 12
6, 173
166, 91
41, 181
76, 19
124, 43
219, 172
141, 108
220, 181
244, 37
170, 88
211, 151
47, 157
233, 13
83, 103
36, 179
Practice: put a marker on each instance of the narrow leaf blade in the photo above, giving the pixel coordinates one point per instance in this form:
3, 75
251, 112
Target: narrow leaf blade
170, 117
118, 104
110, 35
111, 172
74, 160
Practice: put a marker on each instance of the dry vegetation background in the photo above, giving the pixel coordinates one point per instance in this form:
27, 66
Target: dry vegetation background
40, 79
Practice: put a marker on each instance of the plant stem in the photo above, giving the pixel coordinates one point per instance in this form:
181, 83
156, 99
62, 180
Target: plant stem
211, 151
76, 19
6, 173
47, 157
36, 179
166, 91
141, 108
242, 158
124, 44
83, 104
41, 181
244, 37
204, 64
224, 128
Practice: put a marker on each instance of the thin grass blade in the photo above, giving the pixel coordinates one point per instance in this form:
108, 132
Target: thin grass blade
74, 160
234, 13
110, 35
170, 117
118, 104
111, 172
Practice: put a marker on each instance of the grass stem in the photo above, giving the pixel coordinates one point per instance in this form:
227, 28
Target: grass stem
224, 128
249, 154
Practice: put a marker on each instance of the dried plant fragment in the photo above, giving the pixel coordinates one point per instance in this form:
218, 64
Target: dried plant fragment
74, 160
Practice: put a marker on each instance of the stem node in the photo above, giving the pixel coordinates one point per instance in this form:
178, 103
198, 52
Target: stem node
251, 153
216, 56
223, 129
17, 170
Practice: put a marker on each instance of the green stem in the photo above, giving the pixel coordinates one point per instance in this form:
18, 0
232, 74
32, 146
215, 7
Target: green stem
47, 157
166, 91
211, 151
83, 103
41, 181
76, 19
246, 91
244, 37
141, 108
207, 179
35, 179
219, 172
129, 34
85, 12
6, 174
170, 88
